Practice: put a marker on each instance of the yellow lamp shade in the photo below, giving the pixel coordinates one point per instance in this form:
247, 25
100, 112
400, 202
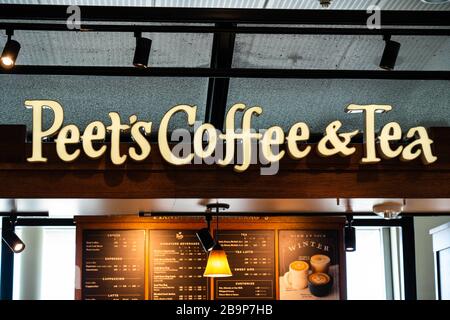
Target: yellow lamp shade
217, 265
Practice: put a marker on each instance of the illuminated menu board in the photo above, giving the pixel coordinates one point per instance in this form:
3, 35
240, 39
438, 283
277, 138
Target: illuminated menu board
251, 255
177, 265
113, 265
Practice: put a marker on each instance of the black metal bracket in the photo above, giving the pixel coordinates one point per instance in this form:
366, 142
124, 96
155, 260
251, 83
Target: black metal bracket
349, 220
7, 264
9, 32
221, 58
218, 206
228, 73
208, 219
24, 214
409, 258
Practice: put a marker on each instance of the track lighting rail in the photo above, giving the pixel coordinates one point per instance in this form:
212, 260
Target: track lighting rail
25, 214
227, 73
235, 29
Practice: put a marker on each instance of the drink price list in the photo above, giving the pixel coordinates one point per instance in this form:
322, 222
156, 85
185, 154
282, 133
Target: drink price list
177, 265
251, 255
113, 265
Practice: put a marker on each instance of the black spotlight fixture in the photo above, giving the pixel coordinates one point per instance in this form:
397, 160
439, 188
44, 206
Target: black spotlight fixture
10, 52
142, 51
10, 237
390, 53
206, 240
13, 241
204, 236
350, 235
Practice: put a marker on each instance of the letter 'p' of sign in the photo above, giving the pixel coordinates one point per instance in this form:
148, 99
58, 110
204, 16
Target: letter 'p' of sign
388, 144
38, 132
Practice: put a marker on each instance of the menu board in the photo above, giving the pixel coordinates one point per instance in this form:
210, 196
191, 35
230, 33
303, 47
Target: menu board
309, 264
177, 265
251, 256
113, 265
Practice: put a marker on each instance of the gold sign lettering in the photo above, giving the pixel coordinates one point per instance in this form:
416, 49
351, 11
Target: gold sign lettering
163, 134
273, 136
294, 136
95, 131
369, 111
412, 151
390, 132
67, 135
38, 133
198, 140
337, 141
140, 139
334, 142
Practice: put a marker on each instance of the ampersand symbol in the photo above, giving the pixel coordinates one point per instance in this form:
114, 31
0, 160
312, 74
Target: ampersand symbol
338, 142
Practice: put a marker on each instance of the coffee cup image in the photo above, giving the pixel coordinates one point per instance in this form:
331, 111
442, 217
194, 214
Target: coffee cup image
320, 284
320, 263
297, 276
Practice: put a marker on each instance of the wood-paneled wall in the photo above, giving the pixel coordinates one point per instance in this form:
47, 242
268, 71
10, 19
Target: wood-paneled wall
312, 177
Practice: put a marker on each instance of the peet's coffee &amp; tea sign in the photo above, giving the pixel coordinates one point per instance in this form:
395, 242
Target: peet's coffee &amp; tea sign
210, 143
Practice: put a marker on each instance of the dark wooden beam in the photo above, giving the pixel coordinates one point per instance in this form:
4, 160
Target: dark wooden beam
217, 184
312, 177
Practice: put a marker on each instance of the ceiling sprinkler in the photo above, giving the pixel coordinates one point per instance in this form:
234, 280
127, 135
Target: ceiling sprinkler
388, 210
325, 3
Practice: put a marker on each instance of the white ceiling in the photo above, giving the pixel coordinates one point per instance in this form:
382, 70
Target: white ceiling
70, 207
335, 52
187, 50
249, 4
191, 50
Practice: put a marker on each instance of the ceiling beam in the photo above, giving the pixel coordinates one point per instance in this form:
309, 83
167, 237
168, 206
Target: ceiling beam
375, 221
221, 57
230, 28
227, 73
220, 15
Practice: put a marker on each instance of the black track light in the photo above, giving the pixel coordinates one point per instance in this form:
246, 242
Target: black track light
142, 51
10, 52
390, 53
205, 239
13, 241
350, 236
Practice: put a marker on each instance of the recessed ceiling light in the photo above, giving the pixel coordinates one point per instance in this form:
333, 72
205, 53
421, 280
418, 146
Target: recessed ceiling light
388, 210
